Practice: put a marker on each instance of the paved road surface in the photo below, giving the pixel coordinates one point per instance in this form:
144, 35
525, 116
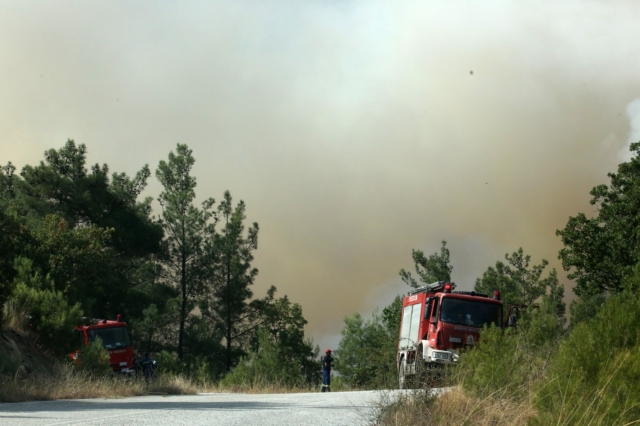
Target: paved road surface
335, 408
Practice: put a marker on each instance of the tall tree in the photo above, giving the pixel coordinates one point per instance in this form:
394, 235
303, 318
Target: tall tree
429, 269
518, 282
62, 185
86, 200
229, 301
602, 250
188, 229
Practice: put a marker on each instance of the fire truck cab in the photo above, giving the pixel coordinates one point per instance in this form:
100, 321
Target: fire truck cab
438, 322
115, 339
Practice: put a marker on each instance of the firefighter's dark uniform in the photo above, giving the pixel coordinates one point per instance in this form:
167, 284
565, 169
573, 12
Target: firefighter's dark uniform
148, 367
326, 372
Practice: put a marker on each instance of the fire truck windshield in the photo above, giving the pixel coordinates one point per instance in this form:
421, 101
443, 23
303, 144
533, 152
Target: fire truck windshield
114, 337
470, 313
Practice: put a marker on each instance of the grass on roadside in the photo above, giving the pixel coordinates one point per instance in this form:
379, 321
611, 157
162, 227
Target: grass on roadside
453, 408
68, 382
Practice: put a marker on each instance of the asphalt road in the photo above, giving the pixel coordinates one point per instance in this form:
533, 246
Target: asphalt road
335, 408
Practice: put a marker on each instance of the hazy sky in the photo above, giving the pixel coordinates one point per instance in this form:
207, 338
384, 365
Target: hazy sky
354, 130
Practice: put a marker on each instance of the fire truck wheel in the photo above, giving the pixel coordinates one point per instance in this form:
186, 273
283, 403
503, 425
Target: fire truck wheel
401, 377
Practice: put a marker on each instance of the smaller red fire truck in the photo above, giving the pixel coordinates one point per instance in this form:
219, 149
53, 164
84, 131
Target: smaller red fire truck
437, 323
115, 339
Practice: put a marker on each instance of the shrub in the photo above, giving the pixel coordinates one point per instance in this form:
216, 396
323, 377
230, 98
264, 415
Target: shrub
265, 367
595, 375
498, 363
509, 362
169, 361
196, 368
95, 358
51, 316
366, 353
586, 307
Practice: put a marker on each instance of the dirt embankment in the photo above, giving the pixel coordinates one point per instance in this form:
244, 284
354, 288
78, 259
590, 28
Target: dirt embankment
19, 355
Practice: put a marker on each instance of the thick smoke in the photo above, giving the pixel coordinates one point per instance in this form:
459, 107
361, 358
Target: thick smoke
355, 131
633, 113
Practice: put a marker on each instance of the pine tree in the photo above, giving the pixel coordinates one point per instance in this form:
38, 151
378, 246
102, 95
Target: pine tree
186, 260
430, 268
228, 303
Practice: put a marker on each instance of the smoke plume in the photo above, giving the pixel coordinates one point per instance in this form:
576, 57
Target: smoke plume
354, 130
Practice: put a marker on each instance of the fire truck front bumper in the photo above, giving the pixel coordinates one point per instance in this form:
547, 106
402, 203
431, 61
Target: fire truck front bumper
441, 357
122, 370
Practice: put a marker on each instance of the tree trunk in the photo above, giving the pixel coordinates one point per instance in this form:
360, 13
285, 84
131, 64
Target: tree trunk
228, 314
183, 310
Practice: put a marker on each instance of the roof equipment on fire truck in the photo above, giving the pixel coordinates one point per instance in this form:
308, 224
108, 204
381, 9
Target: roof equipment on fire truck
433, 288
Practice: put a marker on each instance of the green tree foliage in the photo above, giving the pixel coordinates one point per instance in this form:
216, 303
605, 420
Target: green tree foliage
266, 366
95, 359
595, 375
429, 269
79, 261
86, 203
284, 323
367, 351
228, 300
51, 316
62, 185
392, 317
358, 338
188, 229
154, 330
15, 239
601, 251
509, 363
520, 283
77, 237
586, 307
196, 366
206, 351
7, 184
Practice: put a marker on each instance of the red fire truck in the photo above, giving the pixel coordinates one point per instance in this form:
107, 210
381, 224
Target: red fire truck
115, 339
437, 323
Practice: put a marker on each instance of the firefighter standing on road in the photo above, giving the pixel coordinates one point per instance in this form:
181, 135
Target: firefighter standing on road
326, 371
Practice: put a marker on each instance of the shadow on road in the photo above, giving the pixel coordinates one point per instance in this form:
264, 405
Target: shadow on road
79, 405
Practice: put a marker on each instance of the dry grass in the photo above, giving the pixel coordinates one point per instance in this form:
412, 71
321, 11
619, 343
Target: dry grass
14, 317
67, 382
453, 408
